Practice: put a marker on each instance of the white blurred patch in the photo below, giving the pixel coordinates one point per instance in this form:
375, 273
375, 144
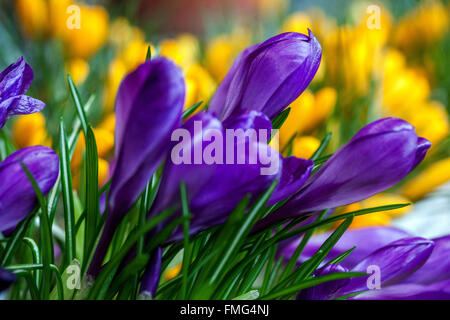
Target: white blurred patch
430, 217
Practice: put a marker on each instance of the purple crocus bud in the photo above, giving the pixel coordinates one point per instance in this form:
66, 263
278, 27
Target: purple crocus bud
366, 241
393, 263
327, 290
237, 178
15, 81
17, 196
6, 279
437, 267
150, 280
148, 108
268, 76
376, 158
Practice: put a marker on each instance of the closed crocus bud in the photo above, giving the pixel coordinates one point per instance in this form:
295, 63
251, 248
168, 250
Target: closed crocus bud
393, 263
14, 83
268, 76
379, 156
148, 108
6, 279
17, 196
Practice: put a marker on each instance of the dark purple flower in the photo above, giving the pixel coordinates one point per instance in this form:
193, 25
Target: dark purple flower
150, 280
408, 268
216, 187
17, 196
268, 76
148, 108
376, 158
14, 83
6, 279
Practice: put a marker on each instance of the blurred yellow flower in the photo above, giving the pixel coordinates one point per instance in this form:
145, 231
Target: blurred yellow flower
91, 35
184, 49
122, 33
199, 85
128, 59
307, 112
108, 123
78, 69
222, 50
172, 272
424, 25
33, 16
432, 177
59, 18
29, 130
381, 218
304, 147
105, 144
103, 171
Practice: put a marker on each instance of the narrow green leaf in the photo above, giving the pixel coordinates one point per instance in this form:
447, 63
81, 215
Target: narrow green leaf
281, 118
69, 211
189, 111
149, 53
187, 248
322, 147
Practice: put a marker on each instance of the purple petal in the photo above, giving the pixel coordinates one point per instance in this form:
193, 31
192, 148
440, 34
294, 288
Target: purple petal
422, 147
437, 267
150, 280
214, 189
268, 76
366, 240
294, 174
6, 279
327, 290
379, 156
396, 261
408, 291
148, 108
17, 196
16, 79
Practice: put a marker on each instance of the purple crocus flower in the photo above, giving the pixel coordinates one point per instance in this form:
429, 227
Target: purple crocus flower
6, 279
148, 108
268, 76
17, 196
15, 81
409, 267
376, 158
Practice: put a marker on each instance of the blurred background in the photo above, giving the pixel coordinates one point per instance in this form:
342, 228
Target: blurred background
380, 58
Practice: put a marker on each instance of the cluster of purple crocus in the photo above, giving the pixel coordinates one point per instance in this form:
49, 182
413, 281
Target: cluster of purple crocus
263, 81
17, 196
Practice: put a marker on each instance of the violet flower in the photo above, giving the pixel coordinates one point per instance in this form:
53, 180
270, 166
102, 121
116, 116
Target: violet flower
17, 196
376, 158
409, 267
15, 81
268, 76
148, 108
6, 279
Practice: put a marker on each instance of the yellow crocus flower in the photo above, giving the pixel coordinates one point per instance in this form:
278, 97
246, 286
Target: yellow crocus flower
222, 50
432, 177
172, 272
428, 23
33, 16
29, 130
304, 147
199, 85
78, 69
103, 171
307, 112
91, 35
108, 123
184, 49
105, 144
